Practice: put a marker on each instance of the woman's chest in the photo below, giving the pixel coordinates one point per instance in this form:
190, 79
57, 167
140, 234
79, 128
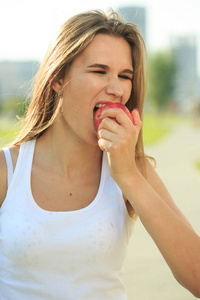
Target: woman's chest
56, 193
34, 237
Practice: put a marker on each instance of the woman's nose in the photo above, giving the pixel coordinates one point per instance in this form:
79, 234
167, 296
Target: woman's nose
114, 86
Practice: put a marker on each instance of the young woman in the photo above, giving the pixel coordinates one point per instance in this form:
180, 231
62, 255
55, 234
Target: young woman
69, 195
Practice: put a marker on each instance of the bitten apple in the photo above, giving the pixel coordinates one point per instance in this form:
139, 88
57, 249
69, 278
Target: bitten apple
102, 107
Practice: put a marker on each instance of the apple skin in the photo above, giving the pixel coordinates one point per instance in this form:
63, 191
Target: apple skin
99, 111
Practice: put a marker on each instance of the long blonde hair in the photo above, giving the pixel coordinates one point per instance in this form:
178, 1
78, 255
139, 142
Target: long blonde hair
73, 37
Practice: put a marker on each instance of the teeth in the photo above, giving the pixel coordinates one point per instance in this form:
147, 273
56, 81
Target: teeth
100, 105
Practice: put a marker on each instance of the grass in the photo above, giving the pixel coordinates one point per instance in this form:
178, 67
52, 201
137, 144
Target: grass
8, 131
153, 129
197, 163
157, 126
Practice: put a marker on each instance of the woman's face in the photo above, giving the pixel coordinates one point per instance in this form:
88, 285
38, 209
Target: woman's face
102, 72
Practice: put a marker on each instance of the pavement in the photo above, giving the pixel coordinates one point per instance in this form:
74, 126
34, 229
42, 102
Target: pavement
147, 276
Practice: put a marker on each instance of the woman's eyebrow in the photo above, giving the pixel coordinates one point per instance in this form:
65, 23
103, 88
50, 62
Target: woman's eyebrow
105, 67
128, 71
102, 66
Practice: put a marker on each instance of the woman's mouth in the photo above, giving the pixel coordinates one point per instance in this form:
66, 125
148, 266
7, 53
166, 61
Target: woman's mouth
98, 106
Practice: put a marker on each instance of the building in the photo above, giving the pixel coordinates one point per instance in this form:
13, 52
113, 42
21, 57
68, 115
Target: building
135, 15
16, 78
187, 90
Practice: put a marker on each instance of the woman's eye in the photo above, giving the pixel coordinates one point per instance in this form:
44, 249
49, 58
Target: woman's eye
125, 77
99, 72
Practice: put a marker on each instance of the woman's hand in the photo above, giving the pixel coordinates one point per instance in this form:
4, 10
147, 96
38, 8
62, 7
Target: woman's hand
119, 140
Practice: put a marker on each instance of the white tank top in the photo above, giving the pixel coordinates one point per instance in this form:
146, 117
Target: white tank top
72, 255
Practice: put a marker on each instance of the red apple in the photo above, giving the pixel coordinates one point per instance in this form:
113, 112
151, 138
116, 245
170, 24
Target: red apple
99, 111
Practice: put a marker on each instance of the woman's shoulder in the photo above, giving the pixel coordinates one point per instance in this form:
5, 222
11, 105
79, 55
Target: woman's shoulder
14, 150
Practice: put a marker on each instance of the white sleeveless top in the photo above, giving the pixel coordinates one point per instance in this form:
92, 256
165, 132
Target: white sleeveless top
72, 255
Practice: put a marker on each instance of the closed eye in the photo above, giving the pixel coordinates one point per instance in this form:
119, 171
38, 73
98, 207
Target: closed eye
126, 77
120, 76
99, 72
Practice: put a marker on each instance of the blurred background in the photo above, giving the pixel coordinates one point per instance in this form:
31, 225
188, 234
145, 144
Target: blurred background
172, 112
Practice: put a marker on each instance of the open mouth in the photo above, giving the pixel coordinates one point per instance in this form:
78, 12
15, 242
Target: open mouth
101, 104
98, 106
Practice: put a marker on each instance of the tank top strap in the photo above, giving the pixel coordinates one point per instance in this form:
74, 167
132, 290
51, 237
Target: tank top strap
9, 164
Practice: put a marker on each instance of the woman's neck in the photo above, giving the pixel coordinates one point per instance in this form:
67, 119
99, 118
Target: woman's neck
69, 154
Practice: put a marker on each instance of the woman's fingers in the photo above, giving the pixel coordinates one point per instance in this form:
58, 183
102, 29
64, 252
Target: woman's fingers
120, 117
136, 118
116, 114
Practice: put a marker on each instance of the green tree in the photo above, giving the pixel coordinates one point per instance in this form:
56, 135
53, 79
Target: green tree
162, 72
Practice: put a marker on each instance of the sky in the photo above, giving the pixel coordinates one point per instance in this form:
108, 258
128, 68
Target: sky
27, 26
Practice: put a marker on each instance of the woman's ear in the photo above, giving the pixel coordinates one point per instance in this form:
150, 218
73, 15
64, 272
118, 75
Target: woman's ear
57, 85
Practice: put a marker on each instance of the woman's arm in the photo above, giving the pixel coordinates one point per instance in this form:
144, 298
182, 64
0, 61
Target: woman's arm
3, 177
3, 170
168, 227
